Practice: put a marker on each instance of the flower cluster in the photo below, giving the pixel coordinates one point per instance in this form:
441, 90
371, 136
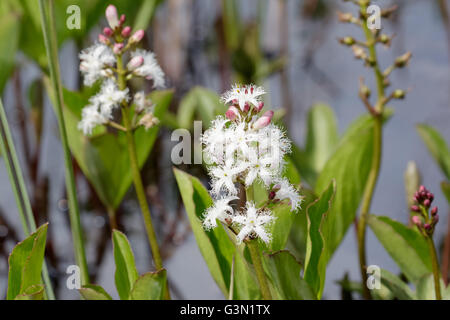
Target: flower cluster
103, 62
425, 221
243, 148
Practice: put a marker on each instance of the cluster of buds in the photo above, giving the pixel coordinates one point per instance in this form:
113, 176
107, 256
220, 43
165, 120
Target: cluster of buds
365, 51
114, 35
424, 218
114, 60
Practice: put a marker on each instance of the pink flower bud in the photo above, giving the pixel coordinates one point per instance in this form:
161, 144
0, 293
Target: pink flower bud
107, 32
117, 48
272, 195
422, 189
416, 220
264, 120
246, 107
434, 211
232, 113
136, 62
260, 106
122, 19
427, 226
427, 203
436, 219
126, 32
415, 208
103, 39
111, 16
137, 36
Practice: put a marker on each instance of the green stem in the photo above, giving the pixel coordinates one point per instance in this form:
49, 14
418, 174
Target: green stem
376, 156
435, 265
18, 183
48, 28
253, 247
138, 185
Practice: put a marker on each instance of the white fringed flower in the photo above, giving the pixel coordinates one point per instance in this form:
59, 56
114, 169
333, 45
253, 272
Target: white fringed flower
246, 148
142, 103
253, 223
243, 94
221, 210
150, 68
287, 191
101, 106
95, 62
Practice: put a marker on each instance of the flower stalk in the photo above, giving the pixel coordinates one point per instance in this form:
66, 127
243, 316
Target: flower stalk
367, 52
48, 28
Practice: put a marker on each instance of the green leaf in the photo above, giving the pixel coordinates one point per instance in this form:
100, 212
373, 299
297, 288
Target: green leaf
146, 13
445, 186
110, 179
25, 263
316, 256
284, 272
398, 288
298, 235
94, 292
126, 272
405, 245
349, 166
150, 286
426, 291
437, 147
201, 101
281, 227
10, 22
321, 139
33, 292
215, 245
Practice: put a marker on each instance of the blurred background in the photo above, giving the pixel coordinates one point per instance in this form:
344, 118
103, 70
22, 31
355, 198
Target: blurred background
288, 46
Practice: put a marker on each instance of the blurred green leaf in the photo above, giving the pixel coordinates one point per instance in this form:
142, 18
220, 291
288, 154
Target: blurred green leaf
94, 292
33, 292
145, 13
25, 263
284, 272
150, 286
321, 139
110, 179
281, 227
349, 166
215, 245
399, 289
10, 23
405, 245
437, 147
445, 186
126, 272
425, 288
316, 243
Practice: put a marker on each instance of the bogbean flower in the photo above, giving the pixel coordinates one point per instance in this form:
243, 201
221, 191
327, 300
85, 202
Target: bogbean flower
99, 63
241, 149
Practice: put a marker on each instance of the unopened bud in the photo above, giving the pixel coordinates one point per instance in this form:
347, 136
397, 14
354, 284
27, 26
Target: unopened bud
415, 208
359, 52
122, 19
111, 16
260, 106
385, 39
403, 60
264, 120
399, 94
427, 203
272, 195
126, 32
232, 113
117, 48
135, 62
107, 32
345, 16
364, 91
435, 219
137, 36
348, 41
417, 221
246, 107
427, 226
103, 39
434, 211
430, 196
